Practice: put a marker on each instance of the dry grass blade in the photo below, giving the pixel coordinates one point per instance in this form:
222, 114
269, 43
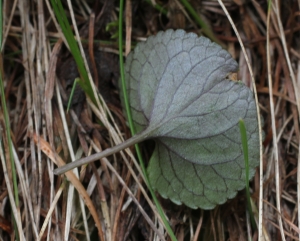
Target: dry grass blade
51, 209
34, 86
16, 212
45, 147
71, 189
296, 88
128, 21
197, 232
9, 23
275, 146
50, 83
287, 57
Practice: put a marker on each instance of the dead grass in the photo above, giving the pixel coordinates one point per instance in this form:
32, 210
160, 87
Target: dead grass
33, 53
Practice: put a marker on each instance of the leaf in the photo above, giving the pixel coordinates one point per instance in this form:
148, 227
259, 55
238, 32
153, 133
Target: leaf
179, 95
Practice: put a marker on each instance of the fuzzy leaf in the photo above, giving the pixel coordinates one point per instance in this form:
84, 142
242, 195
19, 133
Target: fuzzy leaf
179, 95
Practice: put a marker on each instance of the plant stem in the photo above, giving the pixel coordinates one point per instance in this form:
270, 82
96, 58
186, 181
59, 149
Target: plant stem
107, 152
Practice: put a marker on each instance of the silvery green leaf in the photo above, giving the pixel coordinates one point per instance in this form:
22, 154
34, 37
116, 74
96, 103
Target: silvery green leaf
180, 97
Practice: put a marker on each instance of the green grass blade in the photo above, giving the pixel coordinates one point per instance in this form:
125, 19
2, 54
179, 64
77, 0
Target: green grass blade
246, 158
131, 125
158, 7
206, 30
7, 130
60, 14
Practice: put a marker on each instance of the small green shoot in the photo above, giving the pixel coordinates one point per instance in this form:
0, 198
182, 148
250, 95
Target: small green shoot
72, 93
246, 158
113, 26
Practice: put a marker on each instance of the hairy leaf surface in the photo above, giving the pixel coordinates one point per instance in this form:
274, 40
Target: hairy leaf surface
179, 95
